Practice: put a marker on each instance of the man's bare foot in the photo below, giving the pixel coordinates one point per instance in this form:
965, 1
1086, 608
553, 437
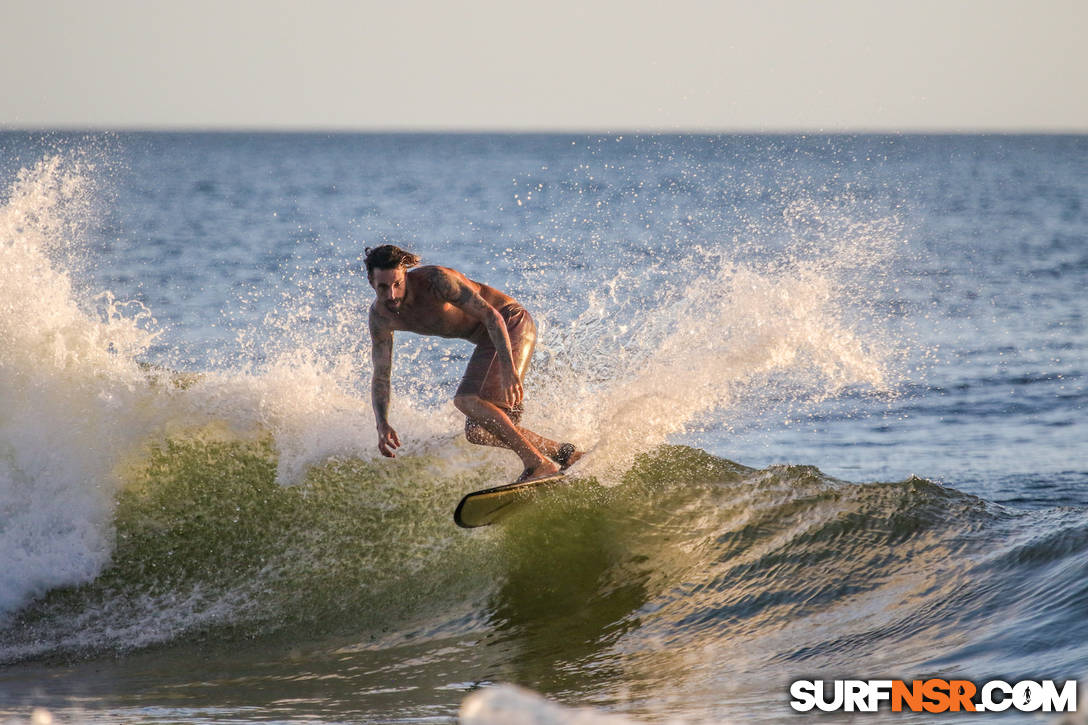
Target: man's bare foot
566, 456
543, 469
572, 459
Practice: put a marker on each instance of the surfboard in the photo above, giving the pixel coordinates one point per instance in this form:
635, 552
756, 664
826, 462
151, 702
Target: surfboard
484, 507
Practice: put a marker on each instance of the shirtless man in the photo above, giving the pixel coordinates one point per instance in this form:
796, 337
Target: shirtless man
443, 302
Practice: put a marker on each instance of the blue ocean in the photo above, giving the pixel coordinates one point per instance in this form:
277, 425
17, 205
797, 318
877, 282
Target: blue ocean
834, 390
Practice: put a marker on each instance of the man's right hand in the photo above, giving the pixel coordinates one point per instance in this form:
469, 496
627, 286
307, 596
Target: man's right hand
388, 440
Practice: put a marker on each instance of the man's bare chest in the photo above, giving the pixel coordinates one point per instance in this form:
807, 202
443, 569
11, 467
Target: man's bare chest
442, 320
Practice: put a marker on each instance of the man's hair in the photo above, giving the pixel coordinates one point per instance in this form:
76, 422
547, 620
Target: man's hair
388, 257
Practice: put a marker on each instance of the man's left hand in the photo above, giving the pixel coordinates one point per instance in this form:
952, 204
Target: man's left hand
512, 390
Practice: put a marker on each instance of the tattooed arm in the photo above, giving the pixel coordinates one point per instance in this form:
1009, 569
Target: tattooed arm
381, 354
456, 289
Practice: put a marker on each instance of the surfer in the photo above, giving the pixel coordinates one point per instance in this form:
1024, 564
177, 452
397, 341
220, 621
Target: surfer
443, 302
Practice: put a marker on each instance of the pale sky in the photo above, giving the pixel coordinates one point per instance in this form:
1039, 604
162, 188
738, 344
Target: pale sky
672, 65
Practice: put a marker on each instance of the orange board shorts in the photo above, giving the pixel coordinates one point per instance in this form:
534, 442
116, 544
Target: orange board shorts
483, 375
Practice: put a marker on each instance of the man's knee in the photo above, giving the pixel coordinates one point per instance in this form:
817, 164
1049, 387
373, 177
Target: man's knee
474, 431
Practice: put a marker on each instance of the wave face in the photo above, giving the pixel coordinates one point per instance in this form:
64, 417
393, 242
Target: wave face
690, 557
156, 501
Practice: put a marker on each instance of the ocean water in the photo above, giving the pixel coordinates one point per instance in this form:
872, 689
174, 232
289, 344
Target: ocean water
834, 389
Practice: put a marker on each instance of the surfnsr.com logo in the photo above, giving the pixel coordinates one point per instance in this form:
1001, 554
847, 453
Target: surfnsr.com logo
933, 695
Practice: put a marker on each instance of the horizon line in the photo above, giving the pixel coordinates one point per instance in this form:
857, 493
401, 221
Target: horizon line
552, 131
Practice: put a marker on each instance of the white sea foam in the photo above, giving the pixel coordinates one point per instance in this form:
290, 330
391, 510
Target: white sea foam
725, 333
68, 386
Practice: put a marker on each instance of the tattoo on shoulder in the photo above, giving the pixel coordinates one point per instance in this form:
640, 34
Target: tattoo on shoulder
449, 287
